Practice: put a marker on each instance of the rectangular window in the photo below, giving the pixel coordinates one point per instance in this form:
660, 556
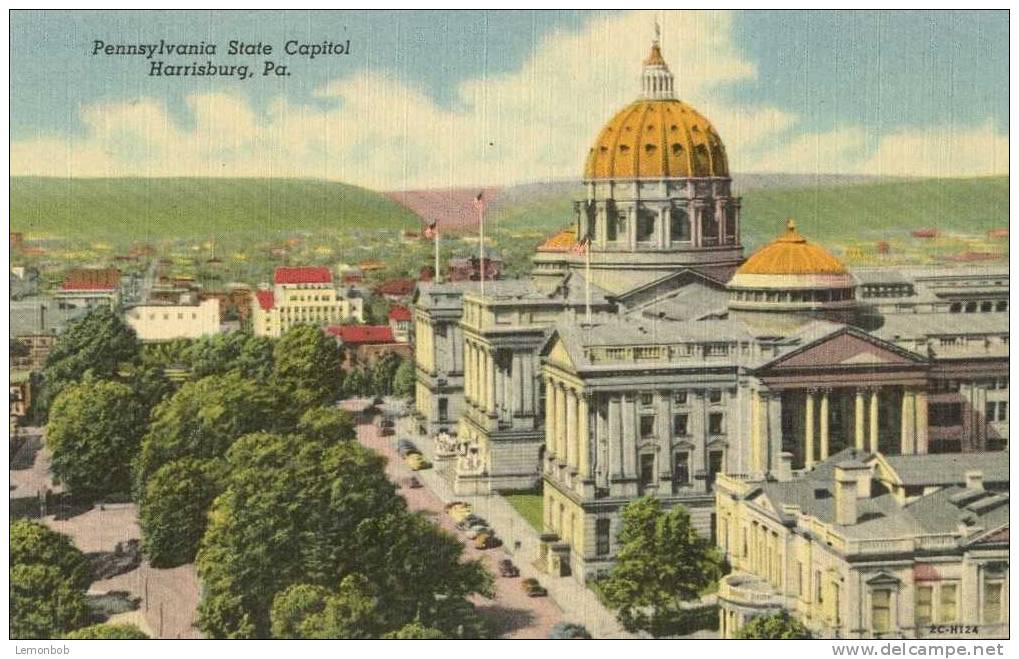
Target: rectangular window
881, 610
647, 470
680, 425
601, 536
716, 425
924, 605
679, 398
647, 426
647, 399
818, 588
945, 414
715, 460
443, 409
992, 602
681, 470
836, 604
947, 609
799, 579
714, 396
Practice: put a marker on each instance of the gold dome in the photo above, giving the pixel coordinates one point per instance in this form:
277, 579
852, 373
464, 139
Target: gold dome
791, 254
657, 139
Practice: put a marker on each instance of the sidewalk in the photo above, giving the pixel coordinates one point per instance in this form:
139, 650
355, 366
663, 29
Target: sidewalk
579, 603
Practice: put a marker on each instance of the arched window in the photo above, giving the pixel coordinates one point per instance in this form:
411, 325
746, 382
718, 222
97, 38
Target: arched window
679, 221
709, 225
645, 225
611, 223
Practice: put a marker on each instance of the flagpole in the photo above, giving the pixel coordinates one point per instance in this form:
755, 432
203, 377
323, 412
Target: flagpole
438, 277
587, 280
481, 245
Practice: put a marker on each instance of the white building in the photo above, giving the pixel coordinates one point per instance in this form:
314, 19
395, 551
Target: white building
188, 319
303, 296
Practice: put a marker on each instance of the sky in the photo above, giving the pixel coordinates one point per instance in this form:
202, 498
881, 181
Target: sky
433, 98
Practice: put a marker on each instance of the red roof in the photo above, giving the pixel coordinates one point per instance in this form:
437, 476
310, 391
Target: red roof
399, 313
91, 279
303, 276
362, 334
266, 299
401, 286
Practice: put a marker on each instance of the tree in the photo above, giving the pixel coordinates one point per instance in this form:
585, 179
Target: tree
174, 509
94, 433
219, 354
34, 543
306, 611
569, 631
327, 424
356, 383
298, 511
405, 379
204, 418
662, 562
19, 348
383, 374
100, 342
48, 578
307, 366
776, 626
414, 631
107, 632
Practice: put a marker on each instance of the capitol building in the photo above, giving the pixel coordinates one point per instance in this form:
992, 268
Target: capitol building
646, 354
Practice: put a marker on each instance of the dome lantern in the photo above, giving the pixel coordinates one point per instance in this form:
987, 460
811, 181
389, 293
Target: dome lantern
657, 81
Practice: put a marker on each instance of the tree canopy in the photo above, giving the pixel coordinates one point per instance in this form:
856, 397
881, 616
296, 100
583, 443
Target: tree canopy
298, 518
94, 432
327, 424
662, 562
308, 366
219, 354
107, 632
405, 379
174, 507
776, 626
48, 578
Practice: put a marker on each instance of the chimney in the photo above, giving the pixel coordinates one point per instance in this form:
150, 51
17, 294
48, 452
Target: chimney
974, 480
847, 487
785, 467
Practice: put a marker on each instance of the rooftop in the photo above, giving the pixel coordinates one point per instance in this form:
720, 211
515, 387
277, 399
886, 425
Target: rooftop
362, 334
302, 275
91, 279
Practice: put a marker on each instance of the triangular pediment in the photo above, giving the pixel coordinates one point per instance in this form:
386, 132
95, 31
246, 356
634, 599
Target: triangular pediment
559, 355
667, 286
848, 347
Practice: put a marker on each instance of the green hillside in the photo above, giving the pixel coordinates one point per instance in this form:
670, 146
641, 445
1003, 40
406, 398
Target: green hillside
138, 209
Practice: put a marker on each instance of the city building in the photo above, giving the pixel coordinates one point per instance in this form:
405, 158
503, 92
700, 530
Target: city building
870, 546
645, 355
400, 322
186, 318
302, 295
87, 287
366, 344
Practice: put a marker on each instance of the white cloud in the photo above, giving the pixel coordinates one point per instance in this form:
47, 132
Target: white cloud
530, 124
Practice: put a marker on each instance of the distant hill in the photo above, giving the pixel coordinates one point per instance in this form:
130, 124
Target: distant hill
453, 209
160, 208
827, 208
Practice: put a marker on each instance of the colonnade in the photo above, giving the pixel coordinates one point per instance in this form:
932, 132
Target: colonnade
567, 414
499, 383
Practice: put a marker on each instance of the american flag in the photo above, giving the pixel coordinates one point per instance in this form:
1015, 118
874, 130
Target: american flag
432, 230
580, 247
479, 202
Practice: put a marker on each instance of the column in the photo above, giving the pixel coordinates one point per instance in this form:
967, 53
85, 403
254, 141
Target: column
550, 418
695, 221
858, 427
490, 373
666, 220
720, 219
873, 420
571, 429
755, 431
584, 443
615, 436
560, 406
824, 425
517, 384
629, 443
530, 399
809, 431
920, 403
468, 371
907, 437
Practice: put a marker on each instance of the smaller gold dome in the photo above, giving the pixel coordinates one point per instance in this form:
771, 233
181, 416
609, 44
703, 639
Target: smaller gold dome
560, 242
791, 254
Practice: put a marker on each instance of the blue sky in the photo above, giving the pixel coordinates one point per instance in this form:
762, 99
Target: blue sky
867, 86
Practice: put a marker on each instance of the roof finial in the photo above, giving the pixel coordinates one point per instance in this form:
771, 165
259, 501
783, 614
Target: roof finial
790, 224
658, 33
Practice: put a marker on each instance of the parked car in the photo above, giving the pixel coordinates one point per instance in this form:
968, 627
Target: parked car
485, 540
533, 588
416, 461
386, 422
460, 511
469, 521
474, 531
413, 482
406, 446
508, 569
569, 631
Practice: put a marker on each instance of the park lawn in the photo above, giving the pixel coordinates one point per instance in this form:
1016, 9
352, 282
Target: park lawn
530, 506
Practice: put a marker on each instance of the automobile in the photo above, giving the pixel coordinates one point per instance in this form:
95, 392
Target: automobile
386, 422
453, 504
416, 462
569, 631
387, 431
533, 588
378, 401
473, 532
459, 511
413, 482
469, 521
484, 540
406, 445
508, 569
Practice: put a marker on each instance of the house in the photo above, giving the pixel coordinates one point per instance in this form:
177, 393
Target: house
400, 322
397, 289
302, 295
87, 287
366, 344
188, 318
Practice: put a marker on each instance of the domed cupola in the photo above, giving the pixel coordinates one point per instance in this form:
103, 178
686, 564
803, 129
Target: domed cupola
791, 274
658, 192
